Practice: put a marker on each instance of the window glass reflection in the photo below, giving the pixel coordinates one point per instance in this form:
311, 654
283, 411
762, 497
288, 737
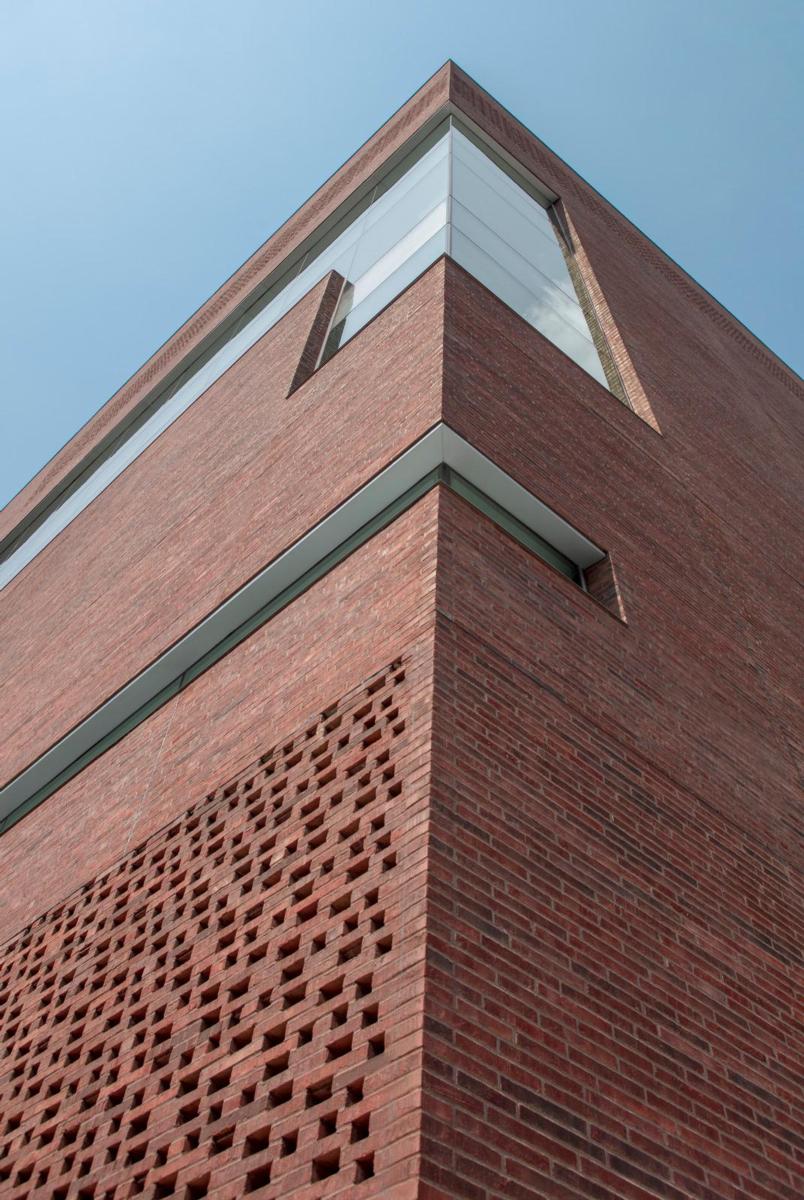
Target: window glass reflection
476, 160
530, 305
518, 266
455, 199
406, 247
399, 218
354, 314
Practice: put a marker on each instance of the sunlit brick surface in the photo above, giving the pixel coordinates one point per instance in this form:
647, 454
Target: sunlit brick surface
232, 1009
524, 923
613, 957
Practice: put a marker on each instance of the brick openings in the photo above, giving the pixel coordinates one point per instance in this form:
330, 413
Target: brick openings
604, 817
210, 1017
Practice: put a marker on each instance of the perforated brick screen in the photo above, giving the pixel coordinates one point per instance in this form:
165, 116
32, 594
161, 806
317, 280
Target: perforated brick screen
229, 1010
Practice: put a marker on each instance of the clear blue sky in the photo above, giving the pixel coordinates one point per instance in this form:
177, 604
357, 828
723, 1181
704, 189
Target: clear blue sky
149, 146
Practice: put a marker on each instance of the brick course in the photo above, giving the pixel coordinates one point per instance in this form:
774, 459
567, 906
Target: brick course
236, 1005
359, 616
594, 910
229, 485
612, 958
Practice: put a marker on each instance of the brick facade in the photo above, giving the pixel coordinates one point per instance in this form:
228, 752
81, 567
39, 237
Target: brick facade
445, 883
236, 1005
612, 959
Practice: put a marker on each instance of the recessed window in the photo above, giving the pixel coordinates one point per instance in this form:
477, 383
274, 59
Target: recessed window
506, 239
455, 199
452, 194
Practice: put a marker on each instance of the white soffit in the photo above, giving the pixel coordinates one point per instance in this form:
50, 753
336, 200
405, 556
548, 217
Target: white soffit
441, 446
111, 465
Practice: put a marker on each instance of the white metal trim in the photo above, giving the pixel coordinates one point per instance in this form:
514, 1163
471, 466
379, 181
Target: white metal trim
440, 446
517, 500
56, 516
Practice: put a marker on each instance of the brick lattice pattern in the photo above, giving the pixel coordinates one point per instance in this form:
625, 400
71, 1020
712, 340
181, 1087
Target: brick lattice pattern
210, 1017
518, 917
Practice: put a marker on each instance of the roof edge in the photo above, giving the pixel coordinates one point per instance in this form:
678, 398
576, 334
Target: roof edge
171, 357
449, 87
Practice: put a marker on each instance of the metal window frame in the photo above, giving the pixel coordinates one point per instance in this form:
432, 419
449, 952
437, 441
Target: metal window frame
284, 272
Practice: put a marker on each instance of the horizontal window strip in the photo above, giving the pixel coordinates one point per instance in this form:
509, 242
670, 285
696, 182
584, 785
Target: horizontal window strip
445, 195
439, 457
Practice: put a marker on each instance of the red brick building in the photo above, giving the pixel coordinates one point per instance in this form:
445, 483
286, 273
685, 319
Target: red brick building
399, 760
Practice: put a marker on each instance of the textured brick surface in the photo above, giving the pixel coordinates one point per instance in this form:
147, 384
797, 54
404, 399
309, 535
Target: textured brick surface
236, 1006
595, 912
376, 605
706, 676
612, 958
227, 487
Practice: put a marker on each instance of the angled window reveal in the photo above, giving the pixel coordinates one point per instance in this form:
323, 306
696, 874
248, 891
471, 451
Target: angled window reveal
457, 200
506, 239
450, 195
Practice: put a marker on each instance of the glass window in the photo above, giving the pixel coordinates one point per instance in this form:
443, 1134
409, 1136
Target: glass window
448, 196
455, 199
530, 276
534, 307
358, 307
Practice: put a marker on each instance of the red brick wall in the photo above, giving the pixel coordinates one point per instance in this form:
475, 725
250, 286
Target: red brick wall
376, 605
611, 926
235, 1006
608, 998
229, 485
704, 678
611, 956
